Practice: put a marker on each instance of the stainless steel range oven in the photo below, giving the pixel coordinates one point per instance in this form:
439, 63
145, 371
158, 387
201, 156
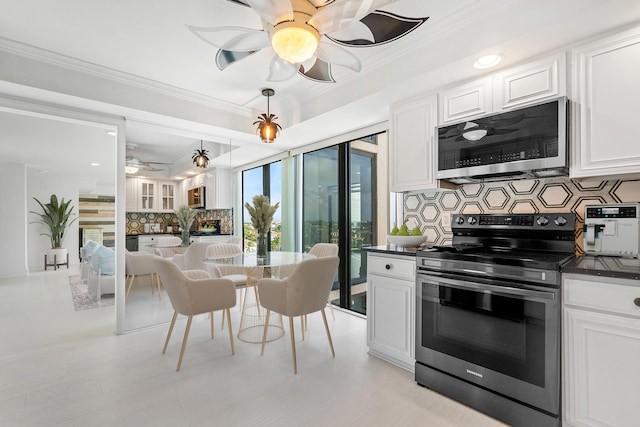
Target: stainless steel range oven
488, 315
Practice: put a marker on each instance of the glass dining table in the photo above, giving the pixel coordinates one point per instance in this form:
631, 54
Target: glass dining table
274, 265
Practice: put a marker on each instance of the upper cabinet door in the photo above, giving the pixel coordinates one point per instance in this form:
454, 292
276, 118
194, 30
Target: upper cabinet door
168, 196
606, 92
147, 195
131, 195
465, 101
411, 145
531, 83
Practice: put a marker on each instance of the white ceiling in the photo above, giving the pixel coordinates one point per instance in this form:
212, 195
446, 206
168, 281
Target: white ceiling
146, 42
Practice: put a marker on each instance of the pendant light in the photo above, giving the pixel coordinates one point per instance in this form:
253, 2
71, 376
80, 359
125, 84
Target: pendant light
267, 127
200, 158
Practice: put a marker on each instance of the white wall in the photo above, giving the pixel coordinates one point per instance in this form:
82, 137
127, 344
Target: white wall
13, 209
42, 186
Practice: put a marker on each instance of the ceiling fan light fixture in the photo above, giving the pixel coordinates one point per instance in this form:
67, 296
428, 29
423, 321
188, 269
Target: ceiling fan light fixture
200, 158
130, 169
295, 41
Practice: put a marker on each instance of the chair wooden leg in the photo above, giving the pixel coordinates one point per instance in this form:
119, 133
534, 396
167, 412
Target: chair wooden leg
173, 322
293, 346
333, 316
129, 287
158, 285
255, 290
222, 327
184, 342
264, 335
302, 325
211, 318
228, 310
326, 327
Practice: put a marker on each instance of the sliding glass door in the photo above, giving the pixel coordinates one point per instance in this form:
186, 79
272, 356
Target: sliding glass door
338, 207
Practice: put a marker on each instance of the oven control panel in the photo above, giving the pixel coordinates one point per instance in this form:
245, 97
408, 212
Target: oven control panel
552, 221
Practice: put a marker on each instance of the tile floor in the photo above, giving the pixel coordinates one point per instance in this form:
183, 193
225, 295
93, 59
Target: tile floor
59, 367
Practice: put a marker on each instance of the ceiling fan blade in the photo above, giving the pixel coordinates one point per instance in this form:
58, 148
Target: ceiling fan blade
356, 31
385, 27
339, 15
273, 11
320, 3
281, 70
337, 55
318, 71
224, 58
237, 39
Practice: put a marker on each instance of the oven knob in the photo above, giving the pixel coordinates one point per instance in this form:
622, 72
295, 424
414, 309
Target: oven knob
472, 220
561, 221
543, 220
459, 220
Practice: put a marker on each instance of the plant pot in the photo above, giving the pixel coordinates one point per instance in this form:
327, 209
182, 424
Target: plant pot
57, 256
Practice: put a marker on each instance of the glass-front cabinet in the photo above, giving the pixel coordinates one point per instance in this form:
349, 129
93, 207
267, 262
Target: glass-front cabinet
147, 195
167, 196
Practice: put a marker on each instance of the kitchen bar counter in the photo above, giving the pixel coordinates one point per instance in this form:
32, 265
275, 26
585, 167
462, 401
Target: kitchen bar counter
394, 249
621, 268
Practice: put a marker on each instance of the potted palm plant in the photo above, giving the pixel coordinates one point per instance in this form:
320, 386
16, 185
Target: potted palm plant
185, 217
56, 217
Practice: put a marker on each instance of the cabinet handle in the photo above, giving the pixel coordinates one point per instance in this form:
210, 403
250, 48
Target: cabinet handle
637, 302
388, 267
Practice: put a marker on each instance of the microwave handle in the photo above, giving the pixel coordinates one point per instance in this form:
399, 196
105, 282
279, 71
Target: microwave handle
490, 289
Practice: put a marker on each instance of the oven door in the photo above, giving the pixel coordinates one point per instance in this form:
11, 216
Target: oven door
498, 335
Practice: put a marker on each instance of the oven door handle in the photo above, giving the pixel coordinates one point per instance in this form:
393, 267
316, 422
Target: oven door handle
492, 289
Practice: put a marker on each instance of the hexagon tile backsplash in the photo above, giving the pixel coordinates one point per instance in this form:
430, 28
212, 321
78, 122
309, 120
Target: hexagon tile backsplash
431, 211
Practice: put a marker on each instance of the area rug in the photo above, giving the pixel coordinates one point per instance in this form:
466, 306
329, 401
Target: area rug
82, 300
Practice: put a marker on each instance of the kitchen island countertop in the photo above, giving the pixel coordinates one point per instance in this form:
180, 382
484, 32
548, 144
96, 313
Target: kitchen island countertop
621, 268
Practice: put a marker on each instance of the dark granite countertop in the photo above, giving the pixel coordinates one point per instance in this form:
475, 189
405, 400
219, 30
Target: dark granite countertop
394, 249
621, 268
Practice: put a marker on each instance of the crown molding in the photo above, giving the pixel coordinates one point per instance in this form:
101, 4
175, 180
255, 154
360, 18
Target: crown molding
52, 58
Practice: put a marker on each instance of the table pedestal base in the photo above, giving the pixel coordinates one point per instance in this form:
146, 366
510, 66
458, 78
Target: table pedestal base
253, 317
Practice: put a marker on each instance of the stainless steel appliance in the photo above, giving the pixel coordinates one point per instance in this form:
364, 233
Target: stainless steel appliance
196, 198
488, 315
531, 142
612, 230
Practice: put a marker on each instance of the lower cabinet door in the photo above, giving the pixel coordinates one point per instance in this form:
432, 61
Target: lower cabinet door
390, 318
601, 369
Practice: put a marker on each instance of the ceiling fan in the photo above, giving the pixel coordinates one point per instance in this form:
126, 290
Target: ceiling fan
305, 34
134, 164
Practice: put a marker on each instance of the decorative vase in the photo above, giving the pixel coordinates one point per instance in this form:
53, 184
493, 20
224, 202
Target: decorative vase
262, 245
185, 237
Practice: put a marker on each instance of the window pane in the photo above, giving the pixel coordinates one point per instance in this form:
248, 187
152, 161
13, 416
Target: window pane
275, 196
251, 186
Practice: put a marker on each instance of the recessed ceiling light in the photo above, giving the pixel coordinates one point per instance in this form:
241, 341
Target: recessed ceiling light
488, 61
111, 132
95, 164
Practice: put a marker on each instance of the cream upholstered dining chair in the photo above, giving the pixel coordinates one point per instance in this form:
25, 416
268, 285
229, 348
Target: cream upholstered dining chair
322, 250
304, 292
165, 244
192, 258
140, 264
193, 292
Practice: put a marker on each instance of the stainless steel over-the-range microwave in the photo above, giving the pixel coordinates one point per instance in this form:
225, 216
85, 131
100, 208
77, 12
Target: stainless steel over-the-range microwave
196, 198
530, 142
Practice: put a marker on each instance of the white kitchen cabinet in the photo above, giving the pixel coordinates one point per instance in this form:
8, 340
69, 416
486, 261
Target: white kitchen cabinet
131, 192
218, 189
197, 181
167, 196
530, 83
185, 186
411, 146
465, 101
606, 94
147, 195
601, 345
391, 308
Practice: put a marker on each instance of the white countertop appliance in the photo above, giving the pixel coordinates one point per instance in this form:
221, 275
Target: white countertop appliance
612, 229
